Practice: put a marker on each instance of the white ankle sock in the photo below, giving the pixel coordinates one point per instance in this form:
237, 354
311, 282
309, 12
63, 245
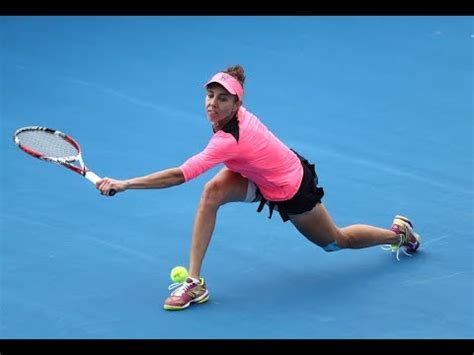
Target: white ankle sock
196, 281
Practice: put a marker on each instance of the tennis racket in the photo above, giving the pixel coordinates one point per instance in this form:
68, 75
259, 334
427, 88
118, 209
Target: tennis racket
56, 147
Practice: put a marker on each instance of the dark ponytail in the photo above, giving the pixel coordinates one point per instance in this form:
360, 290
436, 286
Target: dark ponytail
237, 71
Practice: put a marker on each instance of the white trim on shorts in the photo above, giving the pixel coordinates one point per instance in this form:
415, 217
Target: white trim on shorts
251, 192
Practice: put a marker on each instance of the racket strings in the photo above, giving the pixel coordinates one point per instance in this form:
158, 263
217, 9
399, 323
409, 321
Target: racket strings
47, 144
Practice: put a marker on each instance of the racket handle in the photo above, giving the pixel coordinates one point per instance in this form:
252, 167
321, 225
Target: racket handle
92, 177
112, 192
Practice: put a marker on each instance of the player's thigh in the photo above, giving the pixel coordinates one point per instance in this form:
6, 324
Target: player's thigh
228, 185
316, 225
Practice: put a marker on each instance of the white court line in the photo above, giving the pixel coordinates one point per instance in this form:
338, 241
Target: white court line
328, 152
382, 167
448, 276
424, 244
132, 99
110, 245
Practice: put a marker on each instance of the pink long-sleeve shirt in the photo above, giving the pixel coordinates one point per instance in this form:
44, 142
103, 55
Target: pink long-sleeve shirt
257, 155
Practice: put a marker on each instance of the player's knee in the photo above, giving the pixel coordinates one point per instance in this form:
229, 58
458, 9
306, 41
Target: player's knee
343, 241
334, 246
212, 194
340, 242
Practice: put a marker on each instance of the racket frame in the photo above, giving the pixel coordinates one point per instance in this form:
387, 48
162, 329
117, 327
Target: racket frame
67, 162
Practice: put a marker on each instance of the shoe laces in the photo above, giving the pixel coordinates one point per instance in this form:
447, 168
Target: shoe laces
180, 287
395, 248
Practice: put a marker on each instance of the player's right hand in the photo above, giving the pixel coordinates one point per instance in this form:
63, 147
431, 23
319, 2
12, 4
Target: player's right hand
107, 184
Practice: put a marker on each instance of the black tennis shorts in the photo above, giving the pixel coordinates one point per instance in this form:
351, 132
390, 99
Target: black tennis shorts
307, 196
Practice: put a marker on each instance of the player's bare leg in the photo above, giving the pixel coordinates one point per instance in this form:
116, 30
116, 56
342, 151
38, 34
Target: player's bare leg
225, 187
318, 226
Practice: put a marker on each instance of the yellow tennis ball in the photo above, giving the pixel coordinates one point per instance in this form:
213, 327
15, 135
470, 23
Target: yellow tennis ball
179, 274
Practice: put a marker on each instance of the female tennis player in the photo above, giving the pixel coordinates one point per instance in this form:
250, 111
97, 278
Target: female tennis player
258, 167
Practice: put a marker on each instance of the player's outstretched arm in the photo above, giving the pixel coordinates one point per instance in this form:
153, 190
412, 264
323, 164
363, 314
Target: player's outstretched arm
158, 180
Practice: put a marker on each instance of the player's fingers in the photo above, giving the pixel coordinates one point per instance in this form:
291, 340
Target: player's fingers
106, 185
107, 189
102, 185
99, 183
111, 185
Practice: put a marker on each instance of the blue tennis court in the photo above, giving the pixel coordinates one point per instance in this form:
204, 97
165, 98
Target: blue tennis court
382, 105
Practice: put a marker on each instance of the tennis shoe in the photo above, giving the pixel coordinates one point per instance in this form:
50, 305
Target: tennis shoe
409, 240
185, 293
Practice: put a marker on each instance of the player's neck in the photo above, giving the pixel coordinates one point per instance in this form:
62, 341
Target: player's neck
221, 124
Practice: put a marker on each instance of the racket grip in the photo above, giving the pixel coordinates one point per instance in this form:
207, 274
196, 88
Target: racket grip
112, 192
92, 177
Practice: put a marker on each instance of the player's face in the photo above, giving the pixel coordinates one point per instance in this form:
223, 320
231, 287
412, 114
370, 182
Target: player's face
220, 105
